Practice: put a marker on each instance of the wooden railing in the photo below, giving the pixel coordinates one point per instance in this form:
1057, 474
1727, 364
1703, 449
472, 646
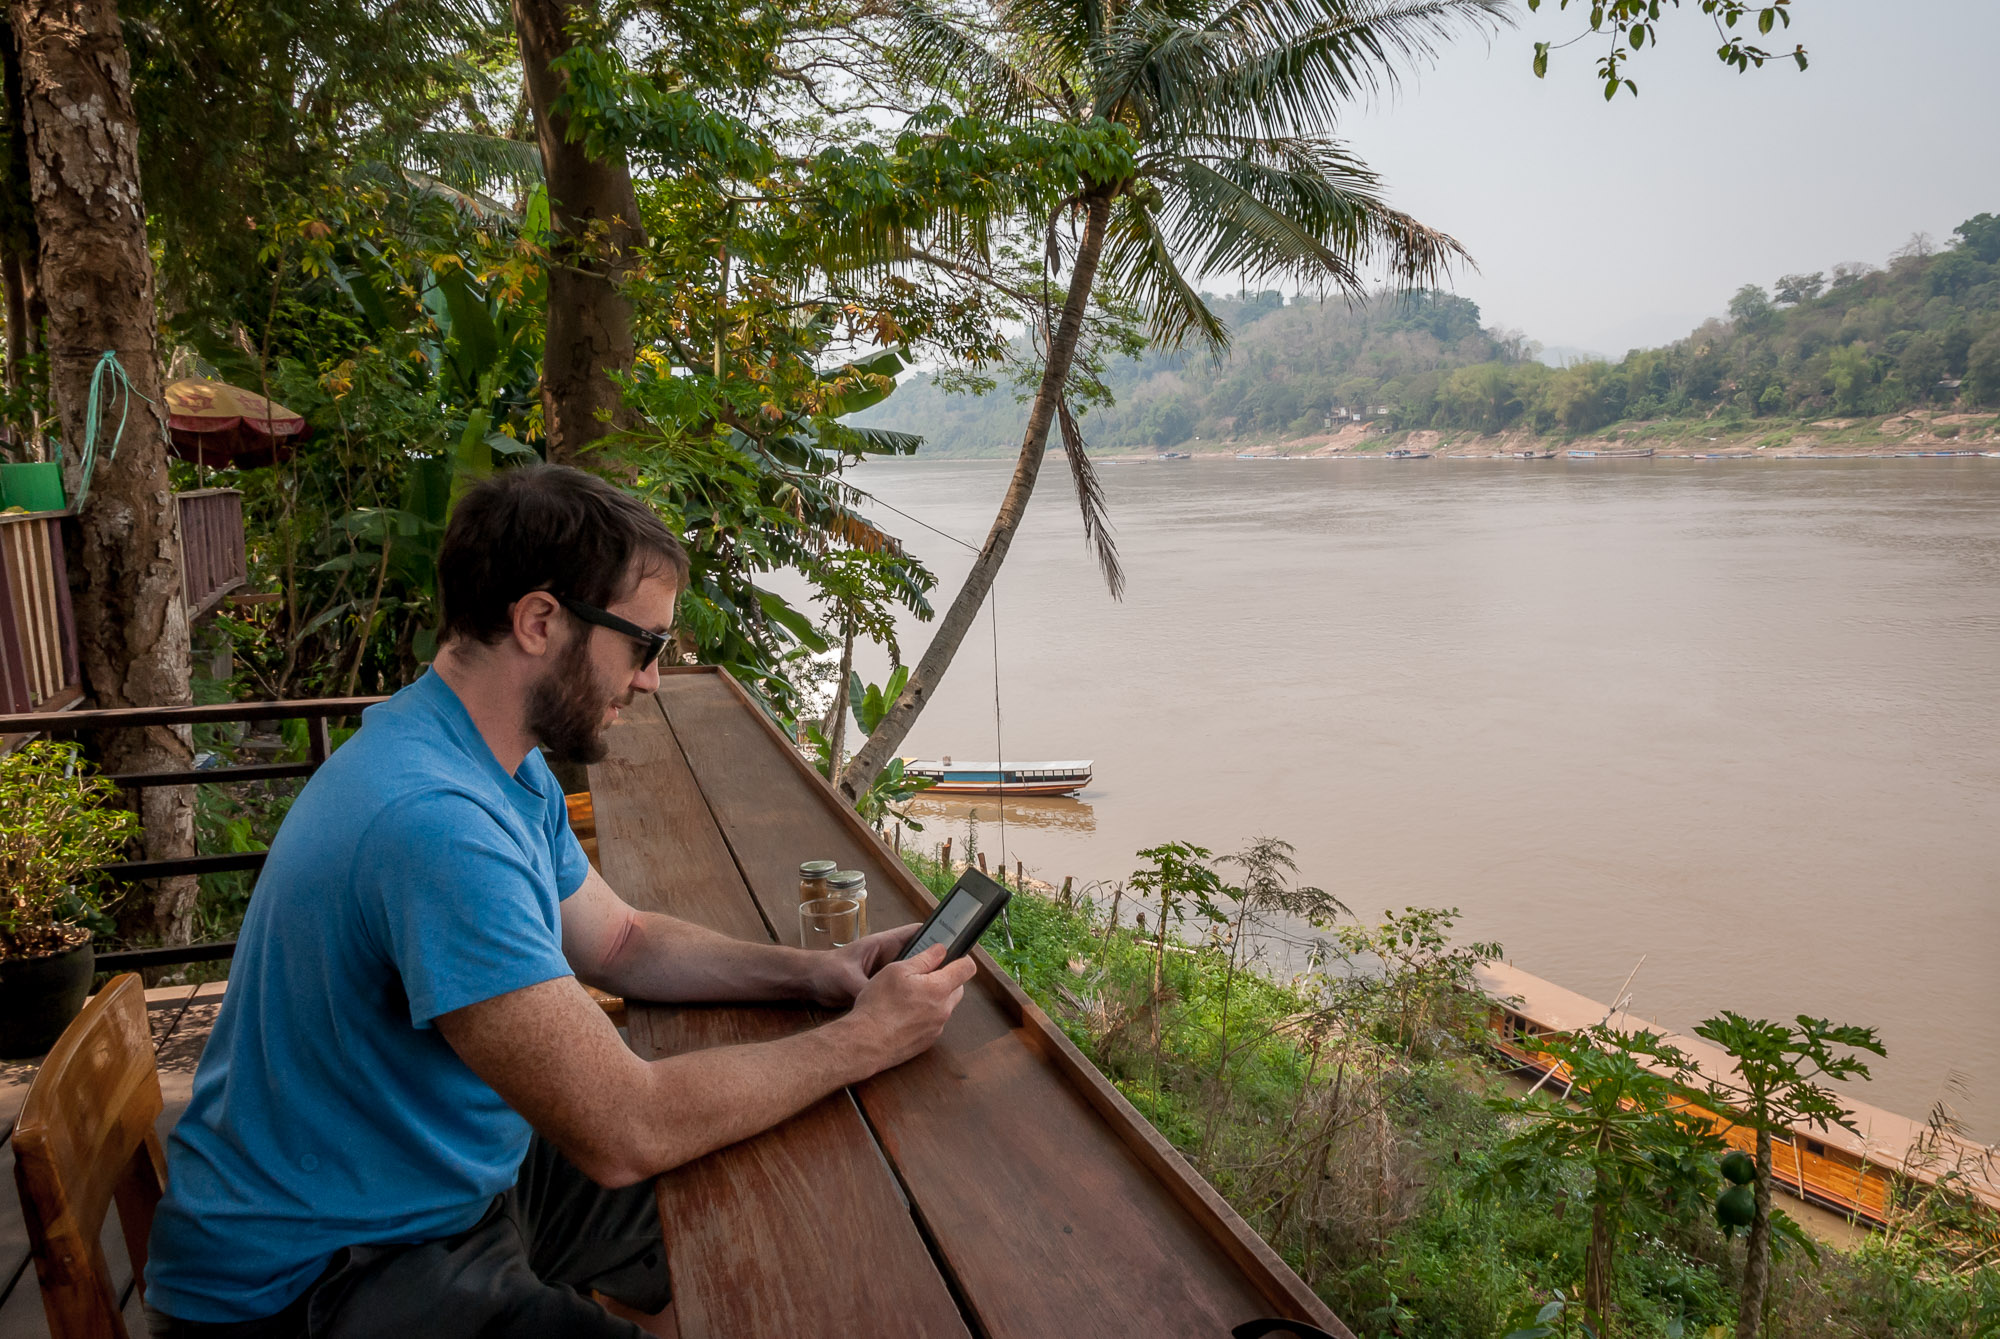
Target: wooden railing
212, 560
39, 670
38, 661
315, 712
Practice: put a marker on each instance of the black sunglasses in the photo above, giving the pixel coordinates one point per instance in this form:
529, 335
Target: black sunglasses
651, 643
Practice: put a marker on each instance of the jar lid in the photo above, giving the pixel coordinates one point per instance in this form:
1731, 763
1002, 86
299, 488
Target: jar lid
846, 878
818, 869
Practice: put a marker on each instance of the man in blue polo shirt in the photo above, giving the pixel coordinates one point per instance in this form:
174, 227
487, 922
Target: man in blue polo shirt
411, 1119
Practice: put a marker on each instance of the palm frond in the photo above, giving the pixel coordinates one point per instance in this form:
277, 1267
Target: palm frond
1273, 66
942, 50
1090, 497
1303, 60
483, 208
1297, 207
1139, 255
472, 162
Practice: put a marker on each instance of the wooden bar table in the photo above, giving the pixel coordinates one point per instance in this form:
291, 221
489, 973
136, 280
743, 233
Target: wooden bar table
995, 1186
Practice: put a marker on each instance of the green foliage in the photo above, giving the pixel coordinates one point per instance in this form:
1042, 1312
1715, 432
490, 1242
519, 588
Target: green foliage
1415, 983
1627, 26
1365, 1165
1623, 1120
1779, 1068
871, 702
58, 822
886, 795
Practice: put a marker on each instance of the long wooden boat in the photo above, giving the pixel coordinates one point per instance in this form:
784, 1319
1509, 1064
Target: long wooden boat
991, 778
1611, 455
1400, 454
1858, 1172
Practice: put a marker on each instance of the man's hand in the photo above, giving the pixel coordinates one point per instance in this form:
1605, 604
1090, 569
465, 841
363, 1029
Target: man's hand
905, 1005
839, 975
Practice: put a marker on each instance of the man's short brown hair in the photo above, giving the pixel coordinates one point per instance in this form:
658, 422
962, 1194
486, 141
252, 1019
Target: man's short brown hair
546, 527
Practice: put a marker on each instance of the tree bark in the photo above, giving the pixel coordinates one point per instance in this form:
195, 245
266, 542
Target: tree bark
97, 278
957, 621
595, 218
1757, 1251
836, 715
19, 243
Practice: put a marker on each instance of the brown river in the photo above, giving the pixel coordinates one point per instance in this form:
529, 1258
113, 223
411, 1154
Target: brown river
1739, 719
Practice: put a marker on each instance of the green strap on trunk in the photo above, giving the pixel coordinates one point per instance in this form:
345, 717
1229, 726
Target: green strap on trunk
108, 367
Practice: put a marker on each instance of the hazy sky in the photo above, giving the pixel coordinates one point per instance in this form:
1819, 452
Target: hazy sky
1609, 226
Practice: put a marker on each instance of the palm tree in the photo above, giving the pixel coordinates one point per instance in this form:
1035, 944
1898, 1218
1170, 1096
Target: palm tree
1230, 105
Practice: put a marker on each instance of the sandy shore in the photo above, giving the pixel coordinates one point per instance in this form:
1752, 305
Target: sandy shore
1878, 437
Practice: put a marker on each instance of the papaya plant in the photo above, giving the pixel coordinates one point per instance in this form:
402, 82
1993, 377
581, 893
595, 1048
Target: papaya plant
1625, 1122
1778, 1086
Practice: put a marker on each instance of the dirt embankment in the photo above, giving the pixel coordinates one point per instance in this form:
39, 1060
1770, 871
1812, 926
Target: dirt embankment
1896, 434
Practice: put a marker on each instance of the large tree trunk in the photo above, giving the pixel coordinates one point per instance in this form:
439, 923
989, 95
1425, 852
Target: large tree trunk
595, 218
957, 621
1757, 1251
19, 243
97, 278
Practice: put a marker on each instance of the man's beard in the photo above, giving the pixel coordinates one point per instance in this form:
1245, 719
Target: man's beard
566, 708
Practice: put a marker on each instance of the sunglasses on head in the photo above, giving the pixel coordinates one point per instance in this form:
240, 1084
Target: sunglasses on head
651, 644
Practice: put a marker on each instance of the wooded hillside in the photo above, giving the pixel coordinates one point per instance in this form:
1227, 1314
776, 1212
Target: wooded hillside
1921, 331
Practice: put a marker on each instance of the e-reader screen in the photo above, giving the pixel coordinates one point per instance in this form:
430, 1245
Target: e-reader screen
956, 913
963, 915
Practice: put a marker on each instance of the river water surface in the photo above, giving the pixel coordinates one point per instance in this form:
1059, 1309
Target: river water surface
1740, 718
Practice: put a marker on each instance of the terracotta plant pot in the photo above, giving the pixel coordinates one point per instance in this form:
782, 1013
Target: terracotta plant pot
39, 996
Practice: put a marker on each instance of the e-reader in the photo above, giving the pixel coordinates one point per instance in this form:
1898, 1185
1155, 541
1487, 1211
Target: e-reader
961, 916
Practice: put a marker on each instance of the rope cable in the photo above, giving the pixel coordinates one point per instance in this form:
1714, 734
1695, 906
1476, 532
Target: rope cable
93, 413
999, 752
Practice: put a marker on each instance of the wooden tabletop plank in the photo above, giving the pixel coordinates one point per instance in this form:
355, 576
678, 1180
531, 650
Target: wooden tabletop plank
800, 1231
1055, 1207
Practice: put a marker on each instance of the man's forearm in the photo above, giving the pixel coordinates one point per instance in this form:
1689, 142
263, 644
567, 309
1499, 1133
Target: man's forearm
661, 958
705, 1100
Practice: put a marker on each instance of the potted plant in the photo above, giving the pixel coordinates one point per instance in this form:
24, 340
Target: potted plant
56, 826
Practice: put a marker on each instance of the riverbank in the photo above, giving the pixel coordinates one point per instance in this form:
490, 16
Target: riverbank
1351, 1128
1881, 436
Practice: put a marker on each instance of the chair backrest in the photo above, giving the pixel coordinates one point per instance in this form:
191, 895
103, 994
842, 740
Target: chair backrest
84, 1138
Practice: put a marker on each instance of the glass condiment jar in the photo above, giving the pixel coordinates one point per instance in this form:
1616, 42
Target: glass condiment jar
812, 879
850, 883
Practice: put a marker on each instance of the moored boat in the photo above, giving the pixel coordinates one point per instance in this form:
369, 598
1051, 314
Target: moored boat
1857, 1171
1611, 455
991, 778
1534, 455
1401, 454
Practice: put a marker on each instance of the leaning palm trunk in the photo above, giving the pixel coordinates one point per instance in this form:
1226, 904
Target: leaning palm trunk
1227, 103
888, 736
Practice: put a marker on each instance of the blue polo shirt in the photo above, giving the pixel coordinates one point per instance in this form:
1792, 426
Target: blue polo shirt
413, 876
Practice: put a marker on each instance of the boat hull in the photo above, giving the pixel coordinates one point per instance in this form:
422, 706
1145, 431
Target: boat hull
1010, 788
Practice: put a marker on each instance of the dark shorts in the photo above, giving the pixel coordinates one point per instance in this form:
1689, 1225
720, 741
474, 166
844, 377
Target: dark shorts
521, 1270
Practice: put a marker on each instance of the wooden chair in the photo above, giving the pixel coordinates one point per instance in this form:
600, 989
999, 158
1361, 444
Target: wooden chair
84, 1139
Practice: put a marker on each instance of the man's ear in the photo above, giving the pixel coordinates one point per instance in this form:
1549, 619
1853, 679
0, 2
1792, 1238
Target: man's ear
535, 616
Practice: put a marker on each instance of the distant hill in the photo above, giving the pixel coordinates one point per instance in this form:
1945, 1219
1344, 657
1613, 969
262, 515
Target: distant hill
1923, 332
1288, 368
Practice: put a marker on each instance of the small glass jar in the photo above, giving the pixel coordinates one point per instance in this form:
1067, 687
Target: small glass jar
812, 879
850, 883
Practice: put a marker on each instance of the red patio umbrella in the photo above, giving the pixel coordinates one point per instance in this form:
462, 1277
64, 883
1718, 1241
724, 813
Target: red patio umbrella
215, 424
